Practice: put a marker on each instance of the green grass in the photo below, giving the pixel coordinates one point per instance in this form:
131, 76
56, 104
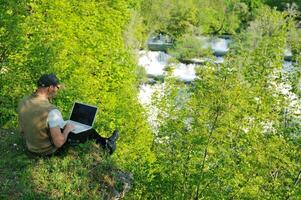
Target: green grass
82, 172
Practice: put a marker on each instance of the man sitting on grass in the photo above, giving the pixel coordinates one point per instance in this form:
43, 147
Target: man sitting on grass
39, 122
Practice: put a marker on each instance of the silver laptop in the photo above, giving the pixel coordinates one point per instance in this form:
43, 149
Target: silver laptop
82, 117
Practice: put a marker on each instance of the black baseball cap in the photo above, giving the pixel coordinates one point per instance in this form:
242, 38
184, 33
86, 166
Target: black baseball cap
47, 80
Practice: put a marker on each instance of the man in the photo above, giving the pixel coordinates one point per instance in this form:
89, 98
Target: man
40, 121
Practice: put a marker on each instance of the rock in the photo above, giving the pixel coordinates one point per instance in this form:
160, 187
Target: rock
113, 184
127, 180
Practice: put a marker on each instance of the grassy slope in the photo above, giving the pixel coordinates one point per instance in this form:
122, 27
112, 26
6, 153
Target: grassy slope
82, 172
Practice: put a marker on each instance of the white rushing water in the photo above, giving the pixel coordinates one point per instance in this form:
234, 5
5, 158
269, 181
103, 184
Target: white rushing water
288, 52
220, 45
145, 98
287, 67
184, 72
155, 63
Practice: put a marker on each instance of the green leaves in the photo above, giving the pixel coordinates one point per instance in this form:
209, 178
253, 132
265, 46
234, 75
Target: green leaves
235, 144
225, 136
188, 47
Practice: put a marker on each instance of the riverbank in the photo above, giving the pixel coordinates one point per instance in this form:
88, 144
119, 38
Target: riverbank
80, 172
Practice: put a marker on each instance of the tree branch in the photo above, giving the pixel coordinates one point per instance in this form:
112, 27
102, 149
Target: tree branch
206, 149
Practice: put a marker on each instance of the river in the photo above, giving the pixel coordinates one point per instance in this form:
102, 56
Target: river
155, 63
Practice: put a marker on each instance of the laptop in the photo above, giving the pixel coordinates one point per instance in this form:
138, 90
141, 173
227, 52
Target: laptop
82, 117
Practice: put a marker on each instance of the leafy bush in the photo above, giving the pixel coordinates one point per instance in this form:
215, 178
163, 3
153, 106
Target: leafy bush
82, 42
188, 47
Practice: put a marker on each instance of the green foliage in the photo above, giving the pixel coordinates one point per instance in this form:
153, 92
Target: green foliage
82, 42
70, 38
169, 16
135, 33
283, 4
83, 45
228, 135
188, 47
222, 17
294, 43
182, 17
215, 17
224, 137
254, 4
209, 17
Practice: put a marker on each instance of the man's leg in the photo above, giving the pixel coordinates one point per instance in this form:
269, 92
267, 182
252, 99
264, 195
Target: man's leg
106, 143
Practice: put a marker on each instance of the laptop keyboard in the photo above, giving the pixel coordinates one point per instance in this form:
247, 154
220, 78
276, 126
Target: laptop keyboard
79, 127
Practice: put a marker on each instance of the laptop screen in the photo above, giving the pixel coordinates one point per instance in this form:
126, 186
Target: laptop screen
84, 114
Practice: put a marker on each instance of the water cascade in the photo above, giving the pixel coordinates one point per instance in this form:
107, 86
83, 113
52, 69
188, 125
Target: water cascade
156, 62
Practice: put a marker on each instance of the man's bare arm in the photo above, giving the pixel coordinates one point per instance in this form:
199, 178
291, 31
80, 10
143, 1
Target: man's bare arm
59, 138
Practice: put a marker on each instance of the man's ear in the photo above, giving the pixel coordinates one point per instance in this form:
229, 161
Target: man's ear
50, 88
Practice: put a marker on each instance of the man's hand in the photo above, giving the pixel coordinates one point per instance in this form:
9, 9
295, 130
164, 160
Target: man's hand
69, 127
58, 137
